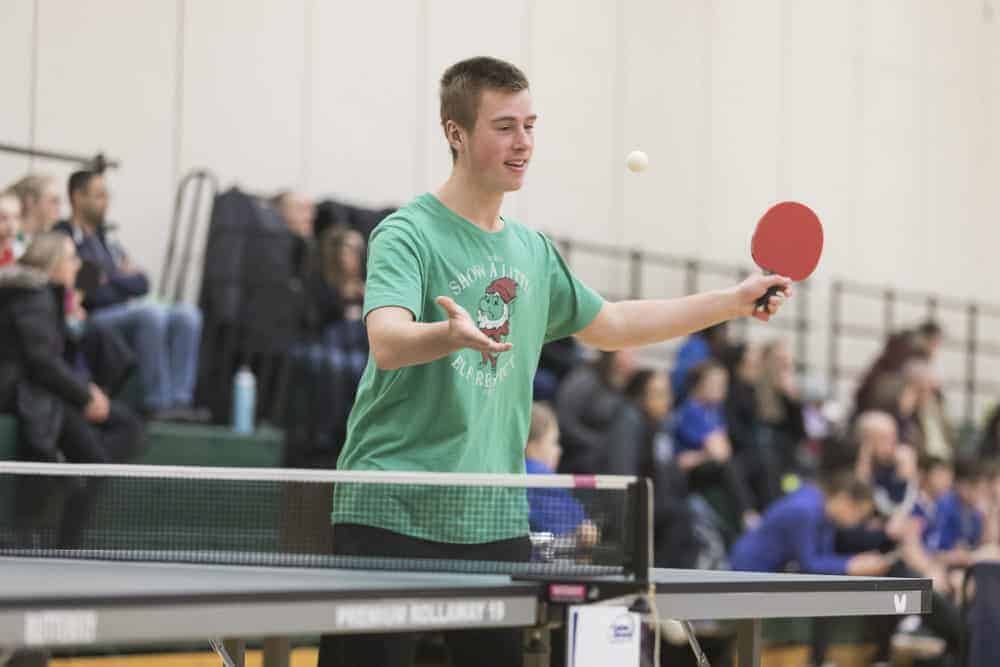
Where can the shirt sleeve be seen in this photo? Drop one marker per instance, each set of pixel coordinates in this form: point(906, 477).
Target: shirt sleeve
point(812, 556)
point(395, 271)
point(572, 305)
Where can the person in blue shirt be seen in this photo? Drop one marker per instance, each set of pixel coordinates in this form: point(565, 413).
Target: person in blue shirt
point(703, 449)
point(954, 528)
point(697, 348)
point(937, 479)
point(551, 510)
point(800, 529)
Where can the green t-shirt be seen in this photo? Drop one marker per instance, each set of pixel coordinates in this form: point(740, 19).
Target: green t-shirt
point(467, 412)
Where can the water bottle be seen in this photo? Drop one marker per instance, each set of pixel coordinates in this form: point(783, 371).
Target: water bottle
point(244, 400)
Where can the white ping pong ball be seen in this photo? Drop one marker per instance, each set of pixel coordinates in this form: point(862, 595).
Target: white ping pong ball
point(637, 161)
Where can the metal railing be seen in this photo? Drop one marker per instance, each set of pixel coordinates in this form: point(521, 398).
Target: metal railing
point(971, 344)
point(954, 315)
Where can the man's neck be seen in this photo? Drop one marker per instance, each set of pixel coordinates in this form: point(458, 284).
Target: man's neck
point(79, 222)
point(469, 200)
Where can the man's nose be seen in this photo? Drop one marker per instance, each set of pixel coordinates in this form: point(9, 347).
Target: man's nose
point(523, 139)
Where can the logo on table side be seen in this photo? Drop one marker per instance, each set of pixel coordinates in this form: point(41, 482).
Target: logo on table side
point(899, 602)
point(622, 629)
point(419, 613)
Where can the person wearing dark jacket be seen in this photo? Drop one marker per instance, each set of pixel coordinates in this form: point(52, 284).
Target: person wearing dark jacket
point(758, 462)
point(589, 403)
point(674, 541)
point(164, 338)
point(61, 417)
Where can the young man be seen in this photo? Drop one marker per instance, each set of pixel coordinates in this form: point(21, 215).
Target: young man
point(459, 302)
point(801, 528)
point(164, 338)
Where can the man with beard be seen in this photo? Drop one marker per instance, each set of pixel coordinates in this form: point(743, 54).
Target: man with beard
point(164, 338)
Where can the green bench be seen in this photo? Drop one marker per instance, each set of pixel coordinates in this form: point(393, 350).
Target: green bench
point(185, 445)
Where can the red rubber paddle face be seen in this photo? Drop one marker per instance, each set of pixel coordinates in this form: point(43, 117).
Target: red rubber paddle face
point(788, 240)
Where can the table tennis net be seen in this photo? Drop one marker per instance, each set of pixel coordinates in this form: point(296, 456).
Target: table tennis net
point(512, 524)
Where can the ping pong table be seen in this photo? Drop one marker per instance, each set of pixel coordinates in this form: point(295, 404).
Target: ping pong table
point(55, 603)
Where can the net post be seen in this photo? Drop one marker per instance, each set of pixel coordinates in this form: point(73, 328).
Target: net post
point(641, 493)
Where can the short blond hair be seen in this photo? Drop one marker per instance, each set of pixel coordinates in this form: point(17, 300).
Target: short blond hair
point(32, 186)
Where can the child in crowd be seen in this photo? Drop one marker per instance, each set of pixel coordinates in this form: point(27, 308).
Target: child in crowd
point(553, 511)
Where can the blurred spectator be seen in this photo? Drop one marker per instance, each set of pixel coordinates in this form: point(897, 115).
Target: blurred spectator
point(710, 343)
point(10, 225)
point(164, 337)
point(800, 530)
point(957, 529)
point(887, 367)
point(991, 523)
point(674, 541)
point(886, 463)
point(989, 443)
point(558, 358)
point(704, 451)
point(60, 415)
point(937, 477)
point(336, 289)
point(928, 338)
point(589, 402)
point(924, 424)
point(552, 510)
point(779, 407)
point(40, 202)
point(297, 211)
point(758, 462)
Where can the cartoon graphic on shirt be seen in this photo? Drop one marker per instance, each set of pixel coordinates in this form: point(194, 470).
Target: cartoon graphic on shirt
point(493, 313)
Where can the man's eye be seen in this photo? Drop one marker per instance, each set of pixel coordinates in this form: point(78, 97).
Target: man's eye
point(529, 128)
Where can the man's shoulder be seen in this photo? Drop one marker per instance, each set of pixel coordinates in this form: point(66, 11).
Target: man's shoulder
point(412, 220)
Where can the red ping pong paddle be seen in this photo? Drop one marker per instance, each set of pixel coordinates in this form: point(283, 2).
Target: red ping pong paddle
point(788, 241)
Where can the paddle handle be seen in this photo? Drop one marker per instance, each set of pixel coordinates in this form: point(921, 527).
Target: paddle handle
point(761, 303)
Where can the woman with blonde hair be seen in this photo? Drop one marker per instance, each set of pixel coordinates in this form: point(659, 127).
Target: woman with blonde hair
point(61, 415)
point(40, 204)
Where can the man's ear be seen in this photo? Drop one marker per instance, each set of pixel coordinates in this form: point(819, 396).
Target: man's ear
point(455, 135)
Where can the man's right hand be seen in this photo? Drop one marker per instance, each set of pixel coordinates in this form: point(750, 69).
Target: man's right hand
point(463, 332)
point(96, 410)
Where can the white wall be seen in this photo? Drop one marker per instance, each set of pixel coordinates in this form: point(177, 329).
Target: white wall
point(881, 114)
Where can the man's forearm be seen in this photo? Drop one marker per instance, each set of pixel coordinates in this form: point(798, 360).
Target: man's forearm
point(412, 343)
point(636, 323)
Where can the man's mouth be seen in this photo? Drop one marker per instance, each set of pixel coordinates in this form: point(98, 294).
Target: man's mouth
point(516, 165)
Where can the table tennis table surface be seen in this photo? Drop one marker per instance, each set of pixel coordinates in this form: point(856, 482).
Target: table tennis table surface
point(52, 602)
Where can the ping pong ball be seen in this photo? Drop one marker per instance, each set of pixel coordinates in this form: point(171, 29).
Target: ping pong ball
point(637, 161)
